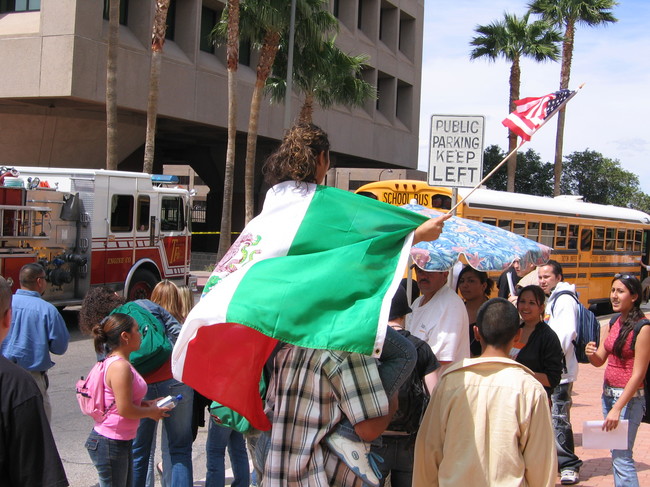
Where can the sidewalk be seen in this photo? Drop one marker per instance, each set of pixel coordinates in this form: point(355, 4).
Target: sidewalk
point(597, 469)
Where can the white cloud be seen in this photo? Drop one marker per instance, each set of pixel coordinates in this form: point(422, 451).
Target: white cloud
point(607, 116)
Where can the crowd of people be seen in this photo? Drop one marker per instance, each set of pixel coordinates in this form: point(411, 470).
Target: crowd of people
point(467, 390)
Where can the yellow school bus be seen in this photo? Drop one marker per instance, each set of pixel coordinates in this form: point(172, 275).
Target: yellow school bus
point(592, 242)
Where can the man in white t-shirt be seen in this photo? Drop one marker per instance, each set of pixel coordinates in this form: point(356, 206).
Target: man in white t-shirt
point(439, 318)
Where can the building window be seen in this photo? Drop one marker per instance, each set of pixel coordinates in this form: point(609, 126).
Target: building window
point(19, 5)
point(171, 21)
point(386, 93)
point(404, 103)
point(406, 40)
point(335, 9)
point(124, 10)
point(209, 19)
point(388, 23)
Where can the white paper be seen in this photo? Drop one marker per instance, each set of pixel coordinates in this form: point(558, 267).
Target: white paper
point(594, 437)
point(511, 285)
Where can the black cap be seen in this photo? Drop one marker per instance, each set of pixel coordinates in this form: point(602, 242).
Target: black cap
point(400, 305)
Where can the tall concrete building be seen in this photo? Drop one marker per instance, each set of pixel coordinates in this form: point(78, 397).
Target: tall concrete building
point(53, 81)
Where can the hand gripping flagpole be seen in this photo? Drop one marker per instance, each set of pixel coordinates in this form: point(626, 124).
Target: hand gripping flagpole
point(523, 141)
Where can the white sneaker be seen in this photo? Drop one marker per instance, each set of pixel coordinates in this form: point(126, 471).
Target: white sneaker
point(569, 477)
point(357, 456)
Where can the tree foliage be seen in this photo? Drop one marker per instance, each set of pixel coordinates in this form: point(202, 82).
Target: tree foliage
point(598, 179)
point(324, 74)
point(532, 176)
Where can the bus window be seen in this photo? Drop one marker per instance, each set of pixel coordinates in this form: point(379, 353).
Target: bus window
point(519, 228)
point(599, 239)
point(620, 239)
point(573, 237)
point(629, 240)
point(638, 239)
point(585, 239)
point(533, 231)
point(143, 213)
point(505, 224)
point(122, 213)
point(441, 201)
point(560, 237)
point(490, 221)
point(548, 233)
point(172, 216)
point(610, 240)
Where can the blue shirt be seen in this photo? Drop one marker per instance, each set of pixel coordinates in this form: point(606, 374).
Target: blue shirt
point(37, 329)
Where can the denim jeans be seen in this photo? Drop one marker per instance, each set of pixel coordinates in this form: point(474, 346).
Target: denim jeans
point(113, 459)
point(220, 437)
point(622, 461)
point(397, 452)
point(396, 362)
point(561, 411)
point(178, 428)
point(166, 478)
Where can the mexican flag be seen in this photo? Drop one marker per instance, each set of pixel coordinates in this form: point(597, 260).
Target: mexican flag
point(317, 268)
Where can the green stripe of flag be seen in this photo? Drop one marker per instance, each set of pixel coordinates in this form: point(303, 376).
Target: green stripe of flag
point(327, 292)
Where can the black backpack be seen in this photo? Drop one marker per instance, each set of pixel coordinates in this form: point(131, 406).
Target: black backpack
point(646, 385)
point(413, 400)
point(587, 327)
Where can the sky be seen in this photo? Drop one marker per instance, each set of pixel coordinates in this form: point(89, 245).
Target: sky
point(609, 115)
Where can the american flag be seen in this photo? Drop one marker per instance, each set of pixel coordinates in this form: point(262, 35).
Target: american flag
point(531, 112)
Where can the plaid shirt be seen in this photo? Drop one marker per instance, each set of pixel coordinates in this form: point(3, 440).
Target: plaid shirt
point(309, 393)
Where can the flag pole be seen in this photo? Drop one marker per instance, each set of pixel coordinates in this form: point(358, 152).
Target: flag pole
point(523, 141)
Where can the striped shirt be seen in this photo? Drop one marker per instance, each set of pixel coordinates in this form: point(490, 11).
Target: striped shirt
point(308, 395)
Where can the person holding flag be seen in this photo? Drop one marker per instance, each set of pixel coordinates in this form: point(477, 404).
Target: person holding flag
point(317, 269)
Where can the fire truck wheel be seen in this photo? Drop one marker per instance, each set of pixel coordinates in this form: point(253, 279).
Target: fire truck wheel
point(142, 284)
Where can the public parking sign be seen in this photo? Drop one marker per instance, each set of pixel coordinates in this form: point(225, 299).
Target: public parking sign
point(456, 150)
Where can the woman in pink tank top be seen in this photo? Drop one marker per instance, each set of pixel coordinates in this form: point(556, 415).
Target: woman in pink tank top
point(627, 354)
point(109, 443)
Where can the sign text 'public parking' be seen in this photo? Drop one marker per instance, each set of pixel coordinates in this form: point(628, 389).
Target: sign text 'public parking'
point(456, 150)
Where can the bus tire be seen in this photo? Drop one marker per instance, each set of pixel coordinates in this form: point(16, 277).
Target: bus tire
point(142, 285)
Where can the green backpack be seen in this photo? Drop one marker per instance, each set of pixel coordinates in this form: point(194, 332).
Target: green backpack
point(225, 416)
point(156, 348)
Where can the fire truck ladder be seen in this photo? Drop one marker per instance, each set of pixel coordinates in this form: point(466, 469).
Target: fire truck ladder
point(23, 222)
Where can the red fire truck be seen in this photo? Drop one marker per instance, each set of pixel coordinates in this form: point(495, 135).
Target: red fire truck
point(91, 227)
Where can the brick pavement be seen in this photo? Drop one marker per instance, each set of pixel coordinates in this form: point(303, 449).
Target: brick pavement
point(597, 469)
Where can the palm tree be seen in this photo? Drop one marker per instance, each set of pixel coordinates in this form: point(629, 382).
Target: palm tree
point(232, 57)
point(323, 74)
point(111, 84)
point(263, 23)
point(565, 14)
point(513, 38)
point(157, 42)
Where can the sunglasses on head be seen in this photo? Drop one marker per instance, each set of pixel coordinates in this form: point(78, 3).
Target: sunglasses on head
point(623, 276)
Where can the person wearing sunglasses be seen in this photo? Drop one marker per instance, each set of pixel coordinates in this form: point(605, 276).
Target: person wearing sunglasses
point(626, 349)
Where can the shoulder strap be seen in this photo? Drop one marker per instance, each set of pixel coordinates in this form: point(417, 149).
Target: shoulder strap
point(564, 293)
point(613, 319)
point(637, 328)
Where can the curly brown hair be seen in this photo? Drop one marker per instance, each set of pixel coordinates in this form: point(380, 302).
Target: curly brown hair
point(97, 304)
point(297, 156)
